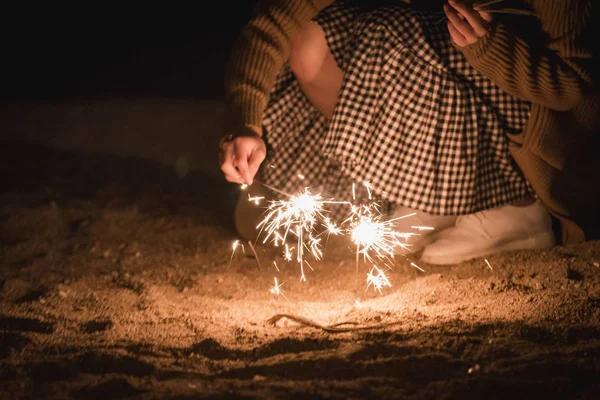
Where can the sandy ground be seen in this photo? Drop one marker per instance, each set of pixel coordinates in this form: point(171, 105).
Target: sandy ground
point(115, 282)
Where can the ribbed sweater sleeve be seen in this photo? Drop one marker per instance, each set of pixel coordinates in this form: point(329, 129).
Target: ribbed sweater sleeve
point(554, 72)
point(258, 55)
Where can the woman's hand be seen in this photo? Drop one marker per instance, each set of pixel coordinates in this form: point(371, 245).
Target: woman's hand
point(466, 25)
point(240, 157)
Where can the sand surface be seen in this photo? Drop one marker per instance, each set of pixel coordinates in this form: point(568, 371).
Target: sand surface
point(115, 282)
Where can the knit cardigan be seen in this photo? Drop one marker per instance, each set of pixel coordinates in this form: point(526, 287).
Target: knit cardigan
point(550, 62)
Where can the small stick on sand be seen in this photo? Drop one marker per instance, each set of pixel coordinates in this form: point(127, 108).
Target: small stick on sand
point(335, 328)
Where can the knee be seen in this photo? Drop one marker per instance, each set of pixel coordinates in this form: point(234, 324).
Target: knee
point(308, 53)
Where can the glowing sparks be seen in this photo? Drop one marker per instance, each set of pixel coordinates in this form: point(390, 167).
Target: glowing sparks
point(256, 199)
point(276, 290)
point(288, 253)
point(488, 264)
point(368, 186)
point(234, 246)
point(372, 234)
point(300, 211)
point(332, 228)
point(417, 267)
point(300, 216)
point(423, 228)
point(377, 280)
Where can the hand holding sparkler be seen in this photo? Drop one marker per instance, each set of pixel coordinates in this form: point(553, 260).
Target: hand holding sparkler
point(241, 156)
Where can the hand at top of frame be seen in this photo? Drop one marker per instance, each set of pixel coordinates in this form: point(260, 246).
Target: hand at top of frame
point(465, 23)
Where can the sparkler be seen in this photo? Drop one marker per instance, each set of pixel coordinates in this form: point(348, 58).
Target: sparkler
point(482, 6)
point(303, 217)
point(373, 235)
point(272, 188)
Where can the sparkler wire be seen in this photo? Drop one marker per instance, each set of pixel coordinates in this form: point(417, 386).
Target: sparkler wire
point(273, 188)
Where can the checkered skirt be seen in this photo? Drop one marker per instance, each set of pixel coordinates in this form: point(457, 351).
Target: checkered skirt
point(414, 120)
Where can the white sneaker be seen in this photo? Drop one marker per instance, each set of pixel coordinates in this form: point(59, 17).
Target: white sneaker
point(423, 227)
point(506, 228)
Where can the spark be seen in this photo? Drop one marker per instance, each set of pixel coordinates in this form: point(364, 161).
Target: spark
point(276, 267)
point(372, 234)
point(358, 304)
point(315, 247)
point(331, 227)
point(378, 281)
point(368, 186)
point(288, 252)
point(417, 267)
point(234, 246)
point(488, 264)
point(423, 228)
point(256, 199)
point(277, 238)
point(301, 177)
point(276, 290)
point(299, 216)
point(309, 266)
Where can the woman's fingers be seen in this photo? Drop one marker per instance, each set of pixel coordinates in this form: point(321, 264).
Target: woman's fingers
point(487, 16)
point(477, 24)
point(241, 159)
point(461, 25)
point(463, 33)
point(256, 159)
point(465, 24)
point(228, 164)
point(458, 38)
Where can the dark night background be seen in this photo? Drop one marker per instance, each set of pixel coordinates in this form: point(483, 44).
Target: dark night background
point(54, 52)
point(138, 82)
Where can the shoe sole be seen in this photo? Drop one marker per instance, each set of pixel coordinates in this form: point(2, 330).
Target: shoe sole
point(539, 241)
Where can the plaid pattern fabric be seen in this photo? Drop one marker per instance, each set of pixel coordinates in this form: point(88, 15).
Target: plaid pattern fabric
point(414, 119)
